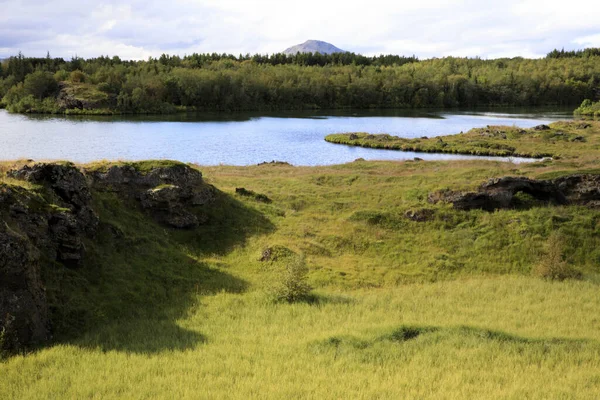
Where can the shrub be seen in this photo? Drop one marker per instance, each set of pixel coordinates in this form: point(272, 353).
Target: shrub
point(61, 75)
point(40, 84)
point(77, 76)
point(552, 265)
point(589, 108)
point(292, 286)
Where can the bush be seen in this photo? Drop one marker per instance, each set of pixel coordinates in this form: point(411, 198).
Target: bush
point(77, 77)
point(588, 108)
point(552, 265)
point(292, 286)
point(61, 75)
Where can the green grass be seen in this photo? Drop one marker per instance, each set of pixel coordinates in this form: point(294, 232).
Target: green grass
point(563, 139)
point(85, 92)
point(448, 308)
point(482, 338)
point(141, 166)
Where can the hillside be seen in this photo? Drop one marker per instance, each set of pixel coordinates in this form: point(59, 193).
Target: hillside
point(313, 46)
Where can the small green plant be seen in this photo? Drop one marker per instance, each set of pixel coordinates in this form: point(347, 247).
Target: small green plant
point(552, 265)
point(293, 286)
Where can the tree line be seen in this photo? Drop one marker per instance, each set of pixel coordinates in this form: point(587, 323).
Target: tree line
point(303, 81)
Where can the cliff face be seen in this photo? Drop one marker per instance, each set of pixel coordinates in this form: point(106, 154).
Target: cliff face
point(47, 219)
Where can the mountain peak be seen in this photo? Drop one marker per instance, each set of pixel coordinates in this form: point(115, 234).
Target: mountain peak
point(313, 46)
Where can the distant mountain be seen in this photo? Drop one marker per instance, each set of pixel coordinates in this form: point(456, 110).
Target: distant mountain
point(314, 46)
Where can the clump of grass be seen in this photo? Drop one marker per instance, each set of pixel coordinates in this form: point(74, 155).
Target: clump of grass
point(552, 265)
point(293, 286)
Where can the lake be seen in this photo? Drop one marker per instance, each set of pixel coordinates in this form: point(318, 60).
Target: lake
point(242, 138)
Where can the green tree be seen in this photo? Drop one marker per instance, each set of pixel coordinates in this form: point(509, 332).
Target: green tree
point(40, 84)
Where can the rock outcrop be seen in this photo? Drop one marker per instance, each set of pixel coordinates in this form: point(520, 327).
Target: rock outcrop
point(48, 224)
point(168, 193)
point(499, 193)
point(69, 98)
point(48, 219)
point(23, 308)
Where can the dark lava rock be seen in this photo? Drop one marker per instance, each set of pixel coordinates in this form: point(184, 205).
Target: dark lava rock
point(167, 203)
point(57, 230)
point(276, 253)
point(50, 223)
point(23, 308)
point(249, 193)
point(64, 179)
point(266, 255)
point(420, 215)
point(353, 136)
point(66, 100)
point(541, 127)
point(168, 193)
point(503, 189)
point(499, 193)
point(275, 162)
point(581, 189)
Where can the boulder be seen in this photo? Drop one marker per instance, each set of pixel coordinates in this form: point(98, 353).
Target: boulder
point(420, 215)
point(541, 127)
point(581, 189)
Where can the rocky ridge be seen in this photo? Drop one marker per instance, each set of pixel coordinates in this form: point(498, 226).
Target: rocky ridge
point(51, 221)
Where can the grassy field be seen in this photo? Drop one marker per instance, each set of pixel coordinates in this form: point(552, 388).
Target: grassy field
point(446, 308)
point(506, 337)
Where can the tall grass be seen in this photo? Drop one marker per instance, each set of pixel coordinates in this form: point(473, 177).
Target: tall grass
point(477, 338)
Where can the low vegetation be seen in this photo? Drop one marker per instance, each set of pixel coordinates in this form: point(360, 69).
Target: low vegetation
point(589, 108)
point(407, 298)
point(560, 139)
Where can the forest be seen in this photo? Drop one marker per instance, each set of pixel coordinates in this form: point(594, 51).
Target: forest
point(224, 82)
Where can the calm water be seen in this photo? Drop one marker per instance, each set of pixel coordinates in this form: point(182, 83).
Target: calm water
point(239, 139)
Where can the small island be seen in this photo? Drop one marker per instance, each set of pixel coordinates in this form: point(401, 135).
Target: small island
point(559, 139)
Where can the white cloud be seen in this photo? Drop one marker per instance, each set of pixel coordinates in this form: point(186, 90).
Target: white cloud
point(588, 41)
point(137, 29)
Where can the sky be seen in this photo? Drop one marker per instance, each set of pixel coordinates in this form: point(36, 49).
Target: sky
point(138, 29)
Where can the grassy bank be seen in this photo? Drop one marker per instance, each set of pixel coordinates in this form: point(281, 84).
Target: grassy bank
point(560, 139)
point(446, 308)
